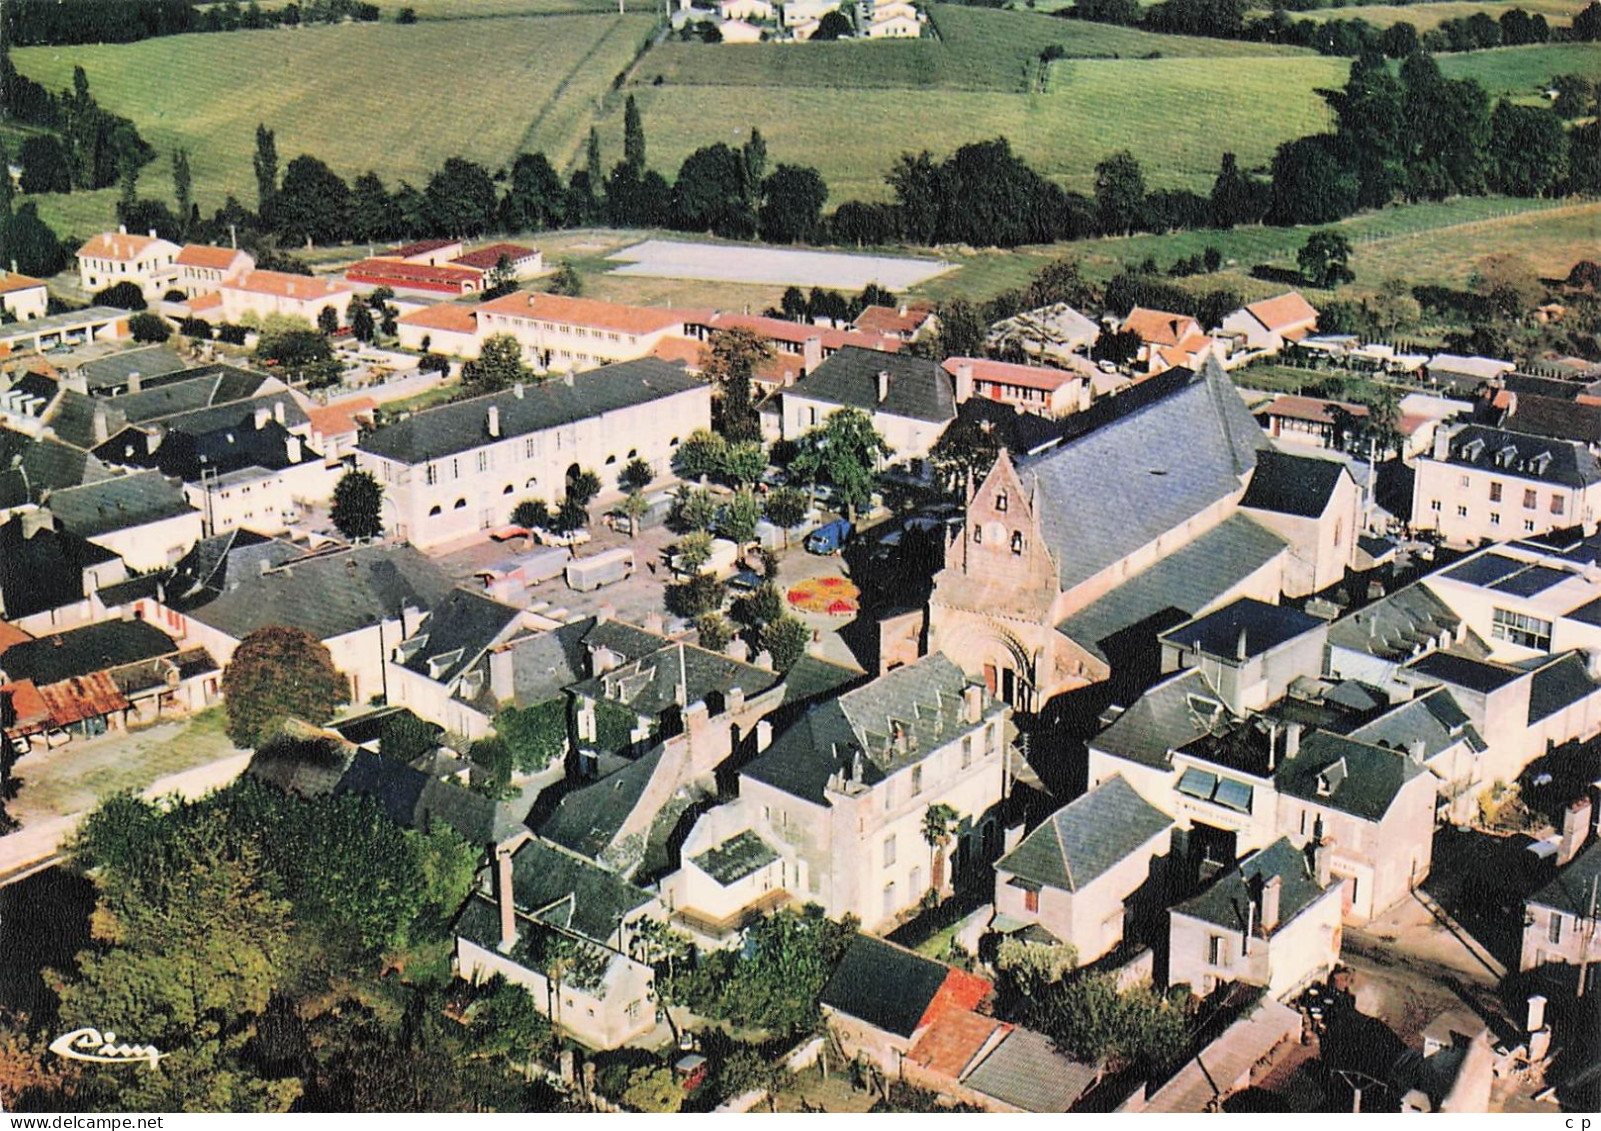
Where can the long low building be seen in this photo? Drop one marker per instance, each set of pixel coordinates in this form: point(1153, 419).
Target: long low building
point(462, 467)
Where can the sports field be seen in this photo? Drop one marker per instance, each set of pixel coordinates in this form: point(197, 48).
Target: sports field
point(766, 266)
point(391, 98)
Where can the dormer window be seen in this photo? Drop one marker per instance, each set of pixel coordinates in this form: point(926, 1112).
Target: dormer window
point(1017, 543)
point(1000, 502)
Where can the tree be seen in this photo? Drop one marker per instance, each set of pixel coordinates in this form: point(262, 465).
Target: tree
point(583, 487)
point(1311, 185)
point(507, 1022)
point(182, 185)
point(537, 735)
point(846, 450)
point(1575, 97)
point(694, 510)
point(1120, 347)
point(694, 550)
point(46, 165)
point(792, 205)
point(633, 136)
point(965, 452)
point(743, 462)
point(1509, 282)
point(962, 329)
point(702, 454)
point(635, 476)
point(312, 205)
point(358, 506)
point(753, 156)
point(696, 595)
point(1120, 193)
point(499, 365)
point(786, 640)
point(149, 328)
point(461, 198)
point(713, 631)
point(709, 194)
point(373, 213)
point(1528, 150)
point(939, 823)
point(834, 25)
point(918, 192)
point(1325, 259)
point(128, 182)
point(493, 755)
point(1371, 134)
point(530, 513)
point(123, 296)
point(592, 163)
point(566, 281)
point(1086, 1017)
point(652, 1088)
point(732, 360)
point(536, 199)
point(328, 321)
point(361, 320)
point(500, 280)
point(737, 521)
point(786, 508)
point(298, 351)
point(406, 15)
point(278, 673)
point(405, 737)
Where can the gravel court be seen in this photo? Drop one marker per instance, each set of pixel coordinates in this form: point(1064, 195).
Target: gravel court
point(672, 259)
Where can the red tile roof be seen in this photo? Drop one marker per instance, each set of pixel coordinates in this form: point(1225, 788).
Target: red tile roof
point(954, 1040)
point(1158, 327)
point(795, 334)
point(10, 634)
point(1287, 311)
point(690, 353)
point(211, 258)
point(1315, 409)
point(890, 320)
point(444, 316)
point(302, 287)
point(445, 277)
point(32, 712)
point(339, 418)
point(485, 258)
point(1006, 373)
point(82, 697)
point(115, 245)
point(587, 312)
point(421, 247)
point(11, 281)
point(960, 990)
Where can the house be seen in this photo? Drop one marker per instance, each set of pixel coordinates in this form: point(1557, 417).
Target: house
point(110, 258)
point(450, 328)
point(428, 253)
point(1495, 484)
point(1272, 921)
point(1033, 388)
point(438, 670)
point(908, 321)
point(1454, 374)
point(752, 10)
point(356, 601)
point(461, 468)
point(1169, 340)
point(523, 262)
point(1046, 588)
point(31, 467)
point(740, 31)
point(402, 275)
point(261, 294)
point(48, 577)
point(1420, 415)
point(545, 902)
point(132, 370)
point(848, 786)
point(895, 23)
point(22, 296)
point(911, 400)
point(802, 11)
point(26, 398)
point(798, 347)
point(1313, 421)
point(1314, 505)
point(202, 269)
point(882, 999)
point(564, 334)
point(1082, 873)
point(143, 517)
point(336, 426)
point(1048, 333)
point(1559, 922)
point(1268, 326)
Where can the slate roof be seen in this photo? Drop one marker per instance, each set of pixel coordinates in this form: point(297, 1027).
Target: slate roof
point(311, 767)
point(919, 389)
point(463, 425)
point(924, 698)
point(1021, 433)
point(1179, 585)
point(587, 819)
point(1084, 839)
point(1565, 462)
point(232, 447)
point(222, 562)
point(1558, 683)
point(1225, 902)
point(1355, 777)
point(121, 503)
point(207, 387)
point(328, 595)
point(74, 416)
point(737, 857)
point(1026, 1072)
point(1290, 484)
point(30, 466)
point(44, 571)
point(80, 651)
point(559, 888)
point(650, 684)
point(1171, 714)
point(1164, 463)
point(1434, 717)
point(1463, 671)
point(1570, 890)
point(456, 632)
point(1248, 625)
point(545, 663)
point(113, 370)
point(1396, 626)
point(884, 985)
point(1559, 418)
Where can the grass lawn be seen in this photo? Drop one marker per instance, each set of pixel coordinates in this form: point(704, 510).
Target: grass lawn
point(494, 9)
point(1523, 70)
point(372, 96)
point(1428, 15)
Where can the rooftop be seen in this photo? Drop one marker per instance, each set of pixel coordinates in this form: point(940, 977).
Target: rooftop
point(917, 388)
point(566, 891)
point(1233, 899)
point(1283, 312)
point(1571, 889)
point(1243, 629)
point(486, 258)
point(589, 312)
point(886, 986)
point(1083, 840)
point(739, 856)
point(119, 503)
point(81, 651)
point(1355, 777)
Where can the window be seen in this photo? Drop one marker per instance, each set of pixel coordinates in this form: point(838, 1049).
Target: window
point(1017, 543)
point(1531, 499)
point(917, 780)
point(1558, 504)
point(1462, 482)
point(978, 534)
point(889, 851)
point(1555, 928)
point(967, 751)
point(433, 511)
point(1495, 519)
point(890, 906)
point(1495, 492)
point(484, 460)
point(1217, 950)
point(1000, 502)
point(1528, 526)
point(455, 467)
point(1462, 512)
point(430, 475)
point(460, 504)
point(1031, 899)
point(1520, 629)
point(530, 447)
point(994, 739)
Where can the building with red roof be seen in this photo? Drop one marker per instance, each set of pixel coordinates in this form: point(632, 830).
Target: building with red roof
point(450, 328)
point(564, 334)
point(429, 253)
point(149, 262)
point(524, 262)
point(202, 269)
point(404, 275)
point(1037, 388)
point(1273, 323)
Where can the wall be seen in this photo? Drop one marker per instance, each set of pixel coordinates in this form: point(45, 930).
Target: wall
point(1442, 492)
point(26, 303)
point(561, 348)
point(263, 504)
point(1320, 548)
point(602, 1020)
point(1538, 949)
point(907, 438)
point(155, 545)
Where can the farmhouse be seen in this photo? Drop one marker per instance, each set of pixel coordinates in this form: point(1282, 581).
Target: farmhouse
point(1169, 340)
point(894, 24)
point(1268, 326)
point(149, 263)
point(1033, 388)
point(1313, 421)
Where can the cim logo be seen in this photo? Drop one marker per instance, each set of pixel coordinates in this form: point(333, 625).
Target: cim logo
point(92, 1045)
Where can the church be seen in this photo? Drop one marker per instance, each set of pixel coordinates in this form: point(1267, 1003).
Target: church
point(1169, 502)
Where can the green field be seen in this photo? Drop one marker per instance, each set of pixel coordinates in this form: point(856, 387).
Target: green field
point(1523, 70)
point(1425, 16)
point(377, 96)
point(494, 9)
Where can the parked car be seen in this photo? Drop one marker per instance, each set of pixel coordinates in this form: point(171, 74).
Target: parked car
point(572, 538)
point(829, 538)
point(745, 581)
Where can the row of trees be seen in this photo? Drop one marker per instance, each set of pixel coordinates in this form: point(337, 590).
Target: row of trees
point(29, 22)
point(86, 147)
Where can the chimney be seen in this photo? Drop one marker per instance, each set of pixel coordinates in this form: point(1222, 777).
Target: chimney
point(883, 385)
point(263, 414)
point(1323, 862)
point(292, 448)
point(964, 381)
point(102, 430)
point(653, 624)
point(1292, 740)
point(1417, 750)
point(812, 353)
point(503, 896)
point(1575, 830)
point(494, 421)
point(502, 673)
point(764, 735)
point(1272, 745)
point(1272, 889)
point(1240, 648)
point(135, 380)
point(972, 703)
point(1535, 1021)
point(734, 701)
point(517, 390)
point(278, 412)
point(152, 233)
point(122, 229)
point(738, 650)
